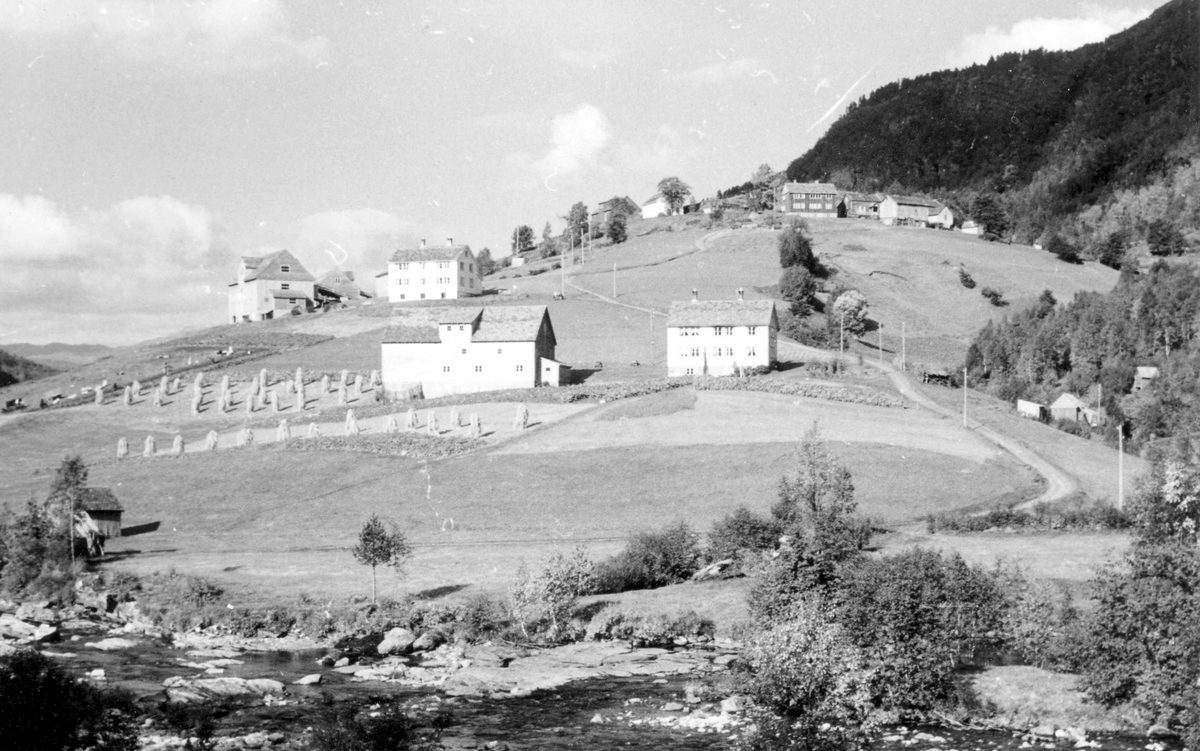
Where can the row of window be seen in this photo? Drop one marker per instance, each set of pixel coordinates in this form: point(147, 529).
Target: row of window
point(440, 264)
point(716, 352)
point(717, 330)
point(479, 368)
point(404, 282)
point(498, 351)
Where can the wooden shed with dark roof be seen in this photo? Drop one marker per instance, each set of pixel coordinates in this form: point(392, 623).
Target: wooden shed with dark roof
point(466, 349)
point(104, 509)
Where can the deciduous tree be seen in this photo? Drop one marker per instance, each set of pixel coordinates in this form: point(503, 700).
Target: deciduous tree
point(617, 229)
point(381, 546)
point(851, 307)
point(674, 191)
point(522, 239)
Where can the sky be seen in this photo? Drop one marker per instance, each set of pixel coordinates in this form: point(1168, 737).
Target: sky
point(145, 146)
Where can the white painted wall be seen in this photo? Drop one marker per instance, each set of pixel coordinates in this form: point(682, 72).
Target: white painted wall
point(690, 354)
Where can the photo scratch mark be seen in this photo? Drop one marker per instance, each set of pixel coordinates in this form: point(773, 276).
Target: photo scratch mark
point(841, 99)
point(34, 60)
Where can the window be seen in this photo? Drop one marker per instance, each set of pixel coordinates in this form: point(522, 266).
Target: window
point(285, 286)
point(750, 352)
point(695, 351)
point(401, 297)
point(717, 351)
point(445, 368)
point(520, 368)
point(471, 267)
point(460, 265)
point(285, 268)
point(691, 371)
point(751, 330)
point(499, 351)
point(291, 301)
point(723, 330)
point(422, 295)
point(472, 282)
point(478, 368)
point(464, 351)
point(422, 284)
point(403, 266)
point(460, 327)
point(443, 295)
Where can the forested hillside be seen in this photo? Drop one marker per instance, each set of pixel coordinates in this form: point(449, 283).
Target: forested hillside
point(1099, 340)
point(14, 369)
point(1087, 142)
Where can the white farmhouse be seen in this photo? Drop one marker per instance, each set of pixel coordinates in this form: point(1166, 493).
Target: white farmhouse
point(462, 350)
point(655, 206)
point(716, 337)
point(448, 272)
point(270, 285)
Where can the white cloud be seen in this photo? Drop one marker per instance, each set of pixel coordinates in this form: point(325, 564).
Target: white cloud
point(155, 261)
point(358, 240)
point(217, 36)
point(1094, 25)
point(579, 137)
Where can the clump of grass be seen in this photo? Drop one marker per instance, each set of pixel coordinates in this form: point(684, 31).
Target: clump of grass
point(1078, 513)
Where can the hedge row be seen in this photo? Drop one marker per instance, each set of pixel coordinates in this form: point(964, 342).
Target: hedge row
point(852, 394)
point(411, 445)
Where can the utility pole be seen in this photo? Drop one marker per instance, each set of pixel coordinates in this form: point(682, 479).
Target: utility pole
point(964, 397)
point(903, 348)
point(1121, 468)
point(842, 336)
point(614, 281)
point(881, 345)
point(562, 285)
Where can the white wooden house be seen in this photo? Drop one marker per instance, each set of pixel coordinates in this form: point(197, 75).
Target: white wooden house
point(908, 210)
point(269, 286)
point(446, 272)
point(461, 350)
point(718, 337)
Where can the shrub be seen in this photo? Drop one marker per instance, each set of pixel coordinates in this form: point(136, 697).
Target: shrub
point(795, 248)
point(913, 614)
point(542, 600)
point(651, 559)
point(966, 279)
point(1040, 620)
point(1063, 249)
point(647, 629)
point(994, 296)
point(53, 711)
point(799, 288)
point(811, 686)
point(739, 530)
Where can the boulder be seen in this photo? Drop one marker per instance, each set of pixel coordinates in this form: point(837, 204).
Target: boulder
point(734, 704)
point(719, 570)
point(44, 633)
point(308, 680)
point(40, 612)
point(192, 690)
point(12, 627)
point(428, 641)
point(397, 641)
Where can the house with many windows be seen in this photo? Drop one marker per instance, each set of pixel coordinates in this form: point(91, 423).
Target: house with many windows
point(269, 286)
point(447, 272)
point(720, 337)
point(807, 199)
point(461, 350)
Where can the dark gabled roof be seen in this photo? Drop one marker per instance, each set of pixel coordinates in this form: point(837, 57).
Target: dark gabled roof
point(405, 334)
point(287, 294)
point(341, 283)
point(809, 188)
point(428, 253)
point(518, 323)
point(864, 197)
point(722, 313)
point(269, 267)
point(928, 203)
point(99, 499)
point(500, 323)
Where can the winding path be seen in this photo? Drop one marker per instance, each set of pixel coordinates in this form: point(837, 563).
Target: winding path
point(1059, 484)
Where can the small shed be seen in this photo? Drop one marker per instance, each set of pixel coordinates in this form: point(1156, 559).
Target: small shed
point(104, 509)
point(1031, 410)
point(1146, 375)
point(554, 373)
point(1068, 407)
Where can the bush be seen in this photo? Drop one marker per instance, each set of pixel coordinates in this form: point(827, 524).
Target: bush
point(1077, 513)
point(1063, 249)
point(799, 288)
point(966, 279)
point(651, 559)
point(617, 622)
point(912, 615)
point(810, 685)
point(542, 600)
point(994, 296)
point(1040, 620)
point(53, 711)
point(739, 530)
point(795, 248)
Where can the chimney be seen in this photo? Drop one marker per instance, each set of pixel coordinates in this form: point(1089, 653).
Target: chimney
point(449, 242)
point(741, 295)
point(422, 243)
point(695, 295)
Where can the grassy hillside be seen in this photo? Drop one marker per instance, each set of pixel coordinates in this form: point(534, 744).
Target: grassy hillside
point(58, 355)
point(17, 369)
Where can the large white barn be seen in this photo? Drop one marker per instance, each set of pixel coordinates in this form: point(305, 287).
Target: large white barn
point(462, 350)
point(446, 272)
point(717, 337)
